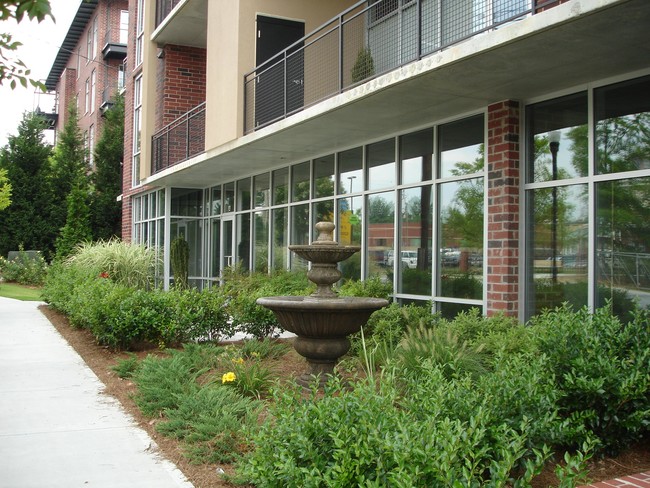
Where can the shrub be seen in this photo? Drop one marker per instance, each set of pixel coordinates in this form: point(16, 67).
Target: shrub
point(439, 346)
point(385, 437)
point(179, 261)
point(126, 368)
point(242, 292)
point(372, 287)
point(61, 285)
point(27, 268)
point(131, 265)
point(601, 367)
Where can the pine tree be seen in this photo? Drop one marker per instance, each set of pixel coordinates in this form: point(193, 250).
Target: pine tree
point(68, 167)
point(105, 210)
point(25, 158)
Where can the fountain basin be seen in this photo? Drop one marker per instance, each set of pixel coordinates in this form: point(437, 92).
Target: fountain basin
point(322, 317)
point(322, 326)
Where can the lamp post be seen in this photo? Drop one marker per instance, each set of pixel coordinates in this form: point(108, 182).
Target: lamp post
point(554, 146)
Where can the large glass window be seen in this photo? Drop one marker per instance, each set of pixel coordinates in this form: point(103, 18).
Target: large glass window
point(560, 217)
point(349, 233)
point(557, 252)
point(262, 191)
point(244, 194)
point(299, 233)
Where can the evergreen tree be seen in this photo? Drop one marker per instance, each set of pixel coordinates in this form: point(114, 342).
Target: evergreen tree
point(25, 159)
point(68, 168)
point(77, 226)
point(105, 210)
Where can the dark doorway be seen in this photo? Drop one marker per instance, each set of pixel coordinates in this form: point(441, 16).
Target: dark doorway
point(273, 37)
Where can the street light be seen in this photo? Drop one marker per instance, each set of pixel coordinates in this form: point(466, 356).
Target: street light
point(554, 146)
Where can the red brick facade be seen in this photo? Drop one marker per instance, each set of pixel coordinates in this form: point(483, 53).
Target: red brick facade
point(80, 67)
point(503, 208)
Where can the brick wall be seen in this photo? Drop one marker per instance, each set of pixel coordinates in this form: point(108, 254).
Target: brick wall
point(503, 208)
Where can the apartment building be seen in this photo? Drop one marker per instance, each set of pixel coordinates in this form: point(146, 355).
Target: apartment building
point(88, 69)
point(483, 153)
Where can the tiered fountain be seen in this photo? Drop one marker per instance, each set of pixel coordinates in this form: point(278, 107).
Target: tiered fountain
point(323, 320)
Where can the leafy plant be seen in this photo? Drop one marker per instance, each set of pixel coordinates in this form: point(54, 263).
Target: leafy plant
point(372, 287)
point(601, 367)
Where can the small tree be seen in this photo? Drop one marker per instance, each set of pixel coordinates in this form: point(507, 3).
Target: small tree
point(364, 66)
point(179, 260)
point(77, 226)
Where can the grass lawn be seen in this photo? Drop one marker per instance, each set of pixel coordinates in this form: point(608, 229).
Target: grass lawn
point(20, 292)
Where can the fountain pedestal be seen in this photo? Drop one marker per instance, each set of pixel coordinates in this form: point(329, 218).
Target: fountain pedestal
point(323, 320)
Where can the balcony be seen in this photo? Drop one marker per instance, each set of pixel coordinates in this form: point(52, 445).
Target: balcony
point(180, 140)
point(362, 43)
point(181, 22)
point(115, 44)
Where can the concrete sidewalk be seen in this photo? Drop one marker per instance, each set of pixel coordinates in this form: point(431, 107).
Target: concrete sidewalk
point(57, 429)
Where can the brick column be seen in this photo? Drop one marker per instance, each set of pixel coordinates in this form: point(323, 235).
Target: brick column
point(503, 163)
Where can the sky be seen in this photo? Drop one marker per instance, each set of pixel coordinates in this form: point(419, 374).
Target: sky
point(40, 45)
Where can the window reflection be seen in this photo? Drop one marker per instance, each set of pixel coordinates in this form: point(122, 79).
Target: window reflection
point(623, 244)
point(416, 152)
point(299, 233)
point(414, 273)
point(349, 233)
point(566, 120)
point(261, 248)
point(280, 238)
point(280, 186)
point(381, 165)
point(461, 145)
point(381, 234)
point(461, 239)
point(324, 176)
point(622, 126)
point(350, 172)
point(300, 182)
point(558, 247)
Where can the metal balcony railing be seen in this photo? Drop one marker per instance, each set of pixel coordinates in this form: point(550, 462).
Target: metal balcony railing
point(180, 140)
point(363, 42)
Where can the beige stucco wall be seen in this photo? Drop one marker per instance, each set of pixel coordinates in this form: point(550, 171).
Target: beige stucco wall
point(148, 89)
point(231, 53)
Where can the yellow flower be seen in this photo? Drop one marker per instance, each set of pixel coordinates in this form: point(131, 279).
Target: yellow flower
point(228, 377)
point(256, 354)
point(238, 361)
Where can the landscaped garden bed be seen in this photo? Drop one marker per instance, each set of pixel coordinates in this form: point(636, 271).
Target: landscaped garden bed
point(425, 401)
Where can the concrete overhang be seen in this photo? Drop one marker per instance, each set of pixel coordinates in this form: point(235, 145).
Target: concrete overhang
point(566, 46)
point(186, 25)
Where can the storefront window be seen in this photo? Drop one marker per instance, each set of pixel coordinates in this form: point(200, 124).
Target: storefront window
point(262, 191)
point(261, 248)
point(280, 238)
point(349, 233)
point(299, 233)
point(244, 194)
point(281, 186)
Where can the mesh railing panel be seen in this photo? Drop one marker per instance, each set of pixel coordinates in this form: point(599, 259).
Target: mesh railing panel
point(363, 42)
